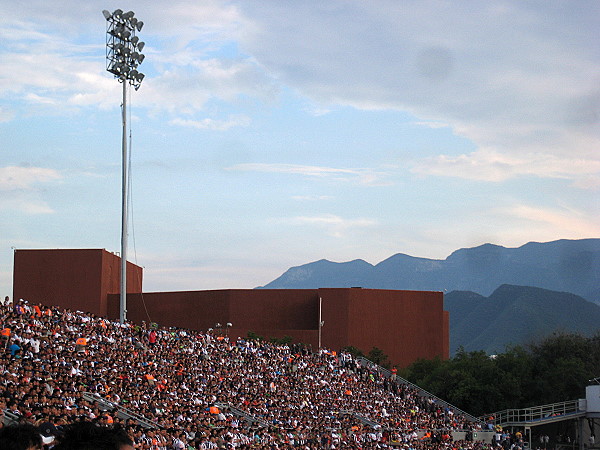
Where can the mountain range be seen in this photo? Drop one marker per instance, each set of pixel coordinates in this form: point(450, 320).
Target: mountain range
point(496, 296)
point(564, 265)
point(516, 315)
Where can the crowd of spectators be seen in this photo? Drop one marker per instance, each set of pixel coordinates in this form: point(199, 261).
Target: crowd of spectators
point(188, 384)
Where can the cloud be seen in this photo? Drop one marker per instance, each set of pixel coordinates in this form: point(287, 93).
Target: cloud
point(486, 165)
point(304, 198)
point(565, 223)
point(518, 78)
point(19, 185)
point(57, 68)
point(54, 74)
point(530, 91)
point(27, 203)
point(336, 226)
point(431, 124)
point(212, 124)
point(368, 177)
point(25, 178)
point(6, 115)
point(588, 182)
point(186, 86)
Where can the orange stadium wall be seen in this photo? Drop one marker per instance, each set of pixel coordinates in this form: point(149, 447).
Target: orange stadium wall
point(77, 279)
point(405, 325)
point(267, 313)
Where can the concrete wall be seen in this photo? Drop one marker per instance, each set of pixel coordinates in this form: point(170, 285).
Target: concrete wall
point(405, 325)
point(266, 312)
point(77, 279)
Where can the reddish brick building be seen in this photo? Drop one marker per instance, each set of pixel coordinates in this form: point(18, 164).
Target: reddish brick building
point(405, 325)
point(77, 279)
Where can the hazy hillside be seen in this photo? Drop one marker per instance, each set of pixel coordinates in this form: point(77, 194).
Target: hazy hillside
point(564, 265)
point(516, 315)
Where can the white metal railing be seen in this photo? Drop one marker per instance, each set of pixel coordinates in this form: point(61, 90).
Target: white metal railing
point(553, 411)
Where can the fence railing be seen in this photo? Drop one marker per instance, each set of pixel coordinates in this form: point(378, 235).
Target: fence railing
point(121, 411)
point(362, 418)
point(249, 418)
point(543, 413)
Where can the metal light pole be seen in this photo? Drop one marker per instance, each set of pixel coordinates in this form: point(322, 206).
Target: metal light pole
point(123, 56)
point(321, 322)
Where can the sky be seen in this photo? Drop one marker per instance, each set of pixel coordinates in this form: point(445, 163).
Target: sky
point(270, 134)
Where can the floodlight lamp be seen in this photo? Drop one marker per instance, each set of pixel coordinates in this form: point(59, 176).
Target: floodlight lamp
point(140, 77)
point(128, 15)
point(120, 54)
point(138, 57)
point(117, 31)
point(121, 69)
point(135, 40)
point(126, 34)
point(118, 13)
point(133, 22)
point(139, 25)
point(140, 46)
point(107, 15)
point(115, 69)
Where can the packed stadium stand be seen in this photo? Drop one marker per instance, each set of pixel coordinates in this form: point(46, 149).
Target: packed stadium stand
point(173, 388)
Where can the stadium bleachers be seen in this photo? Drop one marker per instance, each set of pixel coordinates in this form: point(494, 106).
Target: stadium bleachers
point(199, 390)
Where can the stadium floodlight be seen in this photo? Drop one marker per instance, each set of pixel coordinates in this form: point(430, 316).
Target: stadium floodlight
point(123, 56)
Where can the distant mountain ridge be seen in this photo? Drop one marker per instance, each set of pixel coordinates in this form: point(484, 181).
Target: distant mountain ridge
point(563, 265)
point(516, 315)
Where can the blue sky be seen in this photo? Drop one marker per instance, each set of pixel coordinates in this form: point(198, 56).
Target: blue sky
point(269, 134)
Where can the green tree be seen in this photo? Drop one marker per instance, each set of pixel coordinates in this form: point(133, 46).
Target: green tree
point(563, 364)
point(254, 337)
point(355, 352)
point(281, 341)
point(555, 369)
point(378, 357)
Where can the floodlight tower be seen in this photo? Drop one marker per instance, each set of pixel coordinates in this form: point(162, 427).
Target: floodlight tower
point(123, 56)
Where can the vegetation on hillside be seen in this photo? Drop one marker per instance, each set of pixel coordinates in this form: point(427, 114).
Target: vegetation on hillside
point(553, 370)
